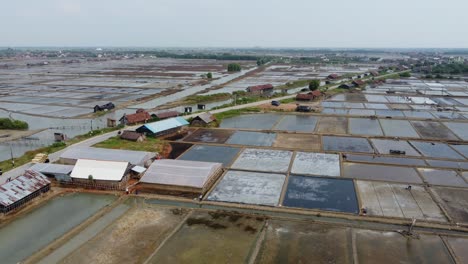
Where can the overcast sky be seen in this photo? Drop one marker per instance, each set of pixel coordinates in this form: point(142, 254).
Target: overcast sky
point(235, 23)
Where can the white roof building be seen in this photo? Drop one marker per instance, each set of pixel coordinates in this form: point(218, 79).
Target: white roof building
point(99, 170)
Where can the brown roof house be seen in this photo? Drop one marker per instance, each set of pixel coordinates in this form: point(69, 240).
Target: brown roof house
point(132, 136)
point(359, 83)
point(308, 96)
point(260, 89)
point(164, 115)
point(139, 117)
point(333, 76)
point(203, 119)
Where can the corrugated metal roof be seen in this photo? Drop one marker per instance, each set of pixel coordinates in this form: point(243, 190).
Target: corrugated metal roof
point(163, 125)
point(181, 172)
point(131, 156)
point(99, 169)
point(50, 168)
point(21, 187)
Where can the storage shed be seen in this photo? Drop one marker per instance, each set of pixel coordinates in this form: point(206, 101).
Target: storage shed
point(132, 136)
point(163, 127)
point(100, 174)
point(203, 119)
point(140, 158)
point(180, 176)
point(22, 189)
point(58, 171)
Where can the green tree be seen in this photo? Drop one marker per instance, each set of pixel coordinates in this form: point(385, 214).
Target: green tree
point(209, 75)
point(233, 67)
point(314, 85)
point(405, 74)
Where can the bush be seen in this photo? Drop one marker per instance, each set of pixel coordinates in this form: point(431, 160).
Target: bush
point(6, 123)
point(209, 75)
point(405, 74)
point(314, 85)
point(233, 67)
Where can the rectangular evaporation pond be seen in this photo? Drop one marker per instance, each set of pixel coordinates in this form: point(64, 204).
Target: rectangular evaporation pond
point(297, 141)
point(263, 160)
point(334, 111)
point(333, 104)
point(309, 163)
point(400, 107)
point(392, 113)
point(455, 201)
point(300, 123)
point(418, 114)
point(385, 160)
point(463, 149)
point(252, 138)
point(398, 128)
point(460, 129)
point(333, 125)
point(353, 105)
point(19, 239)
point(380, 173)
point(251, 121)
point(458, 245)
point(391, 247)
point(376, 98)
point(346, 144)
point(443, 177)
point(209, 135)
point(355, 97)
point(210, 238)
point(447, 115)
point(375, 106)
point(383, 146)
point(364, 126)
point(436, 150)
point(321, 193)
point(313, 243)
point(362, 112)
point(249, 188)
point(448, 164)
point(220, 154)
point(433, 130)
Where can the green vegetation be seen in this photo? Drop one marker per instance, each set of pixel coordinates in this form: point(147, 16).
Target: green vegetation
point(234, 67)
point(236, 112)
point(262, 61)
point(288, 100)
point(207, 98)
point(209, 75)
point(405, 74)
point(295, 84)
point(314, 85)
point(452, 68)
point(7, 123)
point(150, 144)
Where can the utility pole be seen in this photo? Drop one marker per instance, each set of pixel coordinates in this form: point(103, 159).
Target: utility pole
point(11, 153)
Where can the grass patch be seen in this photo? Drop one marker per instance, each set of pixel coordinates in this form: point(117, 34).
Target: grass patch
point(295, 84)
point(288, 100)
point(7, 123)
point(236, 112)
point(207, 98)
point(150, 144)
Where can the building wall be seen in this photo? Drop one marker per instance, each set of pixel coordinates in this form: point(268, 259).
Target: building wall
point(20, 203)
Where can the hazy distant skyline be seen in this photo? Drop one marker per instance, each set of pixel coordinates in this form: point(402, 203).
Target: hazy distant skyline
point(241, 23)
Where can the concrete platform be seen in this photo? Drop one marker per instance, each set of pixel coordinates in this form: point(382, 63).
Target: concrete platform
point(394, 200)
point(249, 188)
point(321, 164)
point(263, 160)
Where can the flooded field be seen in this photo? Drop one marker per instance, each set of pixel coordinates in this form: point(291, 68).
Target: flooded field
point(263, 160)
point(18, 239)
point(298, 123)
point(384, 146)
point(433, 130)
point(320, 164)
point(346, 144)
point(251, 121)
point(220, 154)
point(210, 238)
point(321, 193)
point(252, 138)
point(381, 173)
point(249, 188)
point(209, 136)
point(363, 126)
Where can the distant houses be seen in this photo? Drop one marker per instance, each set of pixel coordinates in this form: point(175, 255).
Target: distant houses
point(333, 76)
point(132, 136)
point(165, 115)
point(108, 106)
point(260, 89)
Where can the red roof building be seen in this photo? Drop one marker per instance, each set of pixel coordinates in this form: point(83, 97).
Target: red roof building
point(359, 83)
point(140, 117)
point(260, 88)
point(333, 76)
point(308, 96)
point(167, 114)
